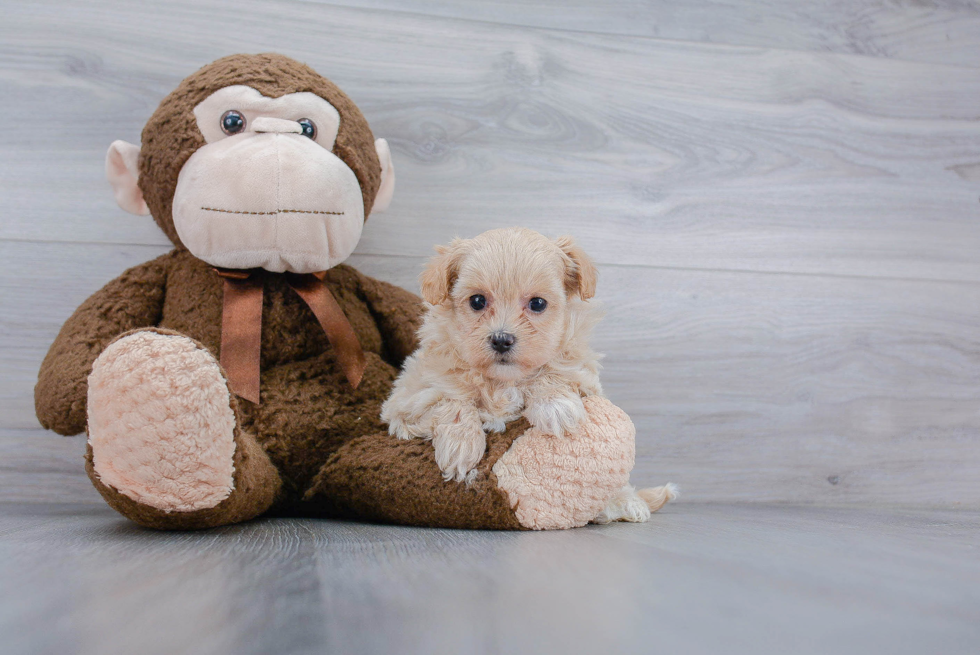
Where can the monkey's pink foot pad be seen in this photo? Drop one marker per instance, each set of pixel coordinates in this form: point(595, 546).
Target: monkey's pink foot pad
point(160, 422)
point(565, 482)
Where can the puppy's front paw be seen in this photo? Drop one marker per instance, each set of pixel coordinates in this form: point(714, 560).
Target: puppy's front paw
point(459, 447)
point(494, 424)
point(405, 420)
point(398, 428)
point(401, 425)
point(556, 415)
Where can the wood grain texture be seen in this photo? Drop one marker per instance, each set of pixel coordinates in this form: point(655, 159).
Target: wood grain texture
point(696, 579)
point(941, 32)
point(655, 152)
point(787, 228)
point(39, 467)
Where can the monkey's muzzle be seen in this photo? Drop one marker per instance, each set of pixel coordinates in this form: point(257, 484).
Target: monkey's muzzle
point(273, 199)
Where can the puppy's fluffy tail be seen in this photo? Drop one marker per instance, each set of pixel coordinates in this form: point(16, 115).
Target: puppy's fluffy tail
point(657, 497)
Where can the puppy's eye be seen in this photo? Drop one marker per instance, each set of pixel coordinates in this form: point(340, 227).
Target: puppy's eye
point(232, 122)
point(478, 302)
point(537, 305)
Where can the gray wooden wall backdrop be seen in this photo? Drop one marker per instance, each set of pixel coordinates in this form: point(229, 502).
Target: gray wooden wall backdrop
point(783, 198)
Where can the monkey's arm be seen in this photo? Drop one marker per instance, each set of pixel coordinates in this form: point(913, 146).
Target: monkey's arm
point(133, 300)
point(398, 314)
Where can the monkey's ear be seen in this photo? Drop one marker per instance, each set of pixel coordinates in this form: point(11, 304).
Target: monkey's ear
point(387, 188)
point(439, 276)
point(122, 171)
point(581, 274)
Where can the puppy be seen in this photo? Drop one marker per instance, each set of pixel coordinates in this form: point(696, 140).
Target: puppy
point(505, 335)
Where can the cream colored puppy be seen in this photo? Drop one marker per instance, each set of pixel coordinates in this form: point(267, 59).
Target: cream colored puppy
point(505, 335)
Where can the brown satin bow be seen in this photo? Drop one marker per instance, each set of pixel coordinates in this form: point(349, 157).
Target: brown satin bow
point(241, 327)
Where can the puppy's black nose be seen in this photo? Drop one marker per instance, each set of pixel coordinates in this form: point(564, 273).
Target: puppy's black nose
point(502, 341)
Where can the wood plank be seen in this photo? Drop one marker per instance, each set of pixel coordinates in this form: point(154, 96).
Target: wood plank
point(38, 467)
point(661, 153)
point(695, 579)
point(797, 389)
point(944, 32)
point(749, 387)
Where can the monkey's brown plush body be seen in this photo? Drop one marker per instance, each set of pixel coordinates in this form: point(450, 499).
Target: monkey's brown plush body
point(171, 444)
point(308, 408)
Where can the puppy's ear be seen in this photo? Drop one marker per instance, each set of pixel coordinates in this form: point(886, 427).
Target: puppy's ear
point(581, 274)
point(440, 273)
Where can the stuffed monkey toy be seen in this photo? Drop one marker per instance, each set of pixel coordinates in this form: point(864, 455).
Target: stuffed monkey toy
point(242, 373)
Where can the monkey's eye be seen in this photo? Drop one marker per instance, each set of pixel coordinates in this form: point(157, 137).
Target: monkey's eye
point(232, 122)
point(537, 305)
point(309, 127)
point(478, 302)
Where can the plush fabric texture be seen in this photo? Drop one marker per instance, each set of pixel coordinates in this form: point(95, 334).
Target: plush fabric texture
point(225, 214)
point(308, 408)
point(255, 485)
point(171, 135)
point(387, 189)
point(381, 478)
point(555, 483)
point(526, 480)
point(160, 422)
point(133, 300)
point(122, 172)
point(256, 488)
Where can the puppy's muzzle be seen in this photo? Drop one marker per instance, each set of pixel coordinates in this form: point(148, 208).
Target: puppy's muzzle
point(502, 341)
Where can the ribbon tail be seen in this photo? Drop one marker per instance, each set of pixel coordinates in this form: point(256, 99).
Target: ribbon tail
point(324, 306)
point(241, 335)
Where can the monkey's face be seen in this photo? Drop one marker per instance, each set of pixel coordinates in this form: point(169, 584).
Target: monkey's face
point(266, 191)
point(256, 161)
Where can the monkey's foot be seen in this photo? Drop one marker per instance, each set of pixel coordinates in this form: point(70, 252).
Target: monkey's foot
point(160, 422)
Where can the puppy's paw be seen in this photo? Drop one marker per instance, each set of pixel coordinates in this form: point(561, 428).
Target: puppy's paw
point(494, 424)
point(635, 506)
point(398, 428)
point(404, 420)
point(556, 415)
point(402, 425)
point(459, 447)
point(626, 505)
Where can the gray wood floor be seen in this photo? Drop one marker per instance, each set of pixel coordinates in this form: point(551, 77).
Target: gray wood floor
point(696, 579)
point(783, 200)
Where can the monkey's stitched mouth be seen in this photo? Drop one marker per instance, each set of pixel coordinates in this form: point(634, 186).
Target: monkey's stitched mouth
point(281, 211)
